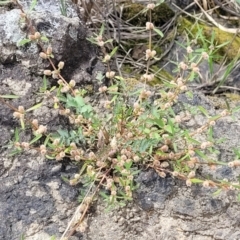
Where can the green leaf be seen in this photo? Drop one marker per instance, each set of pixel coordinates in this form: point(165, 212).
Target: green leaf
point(146, 130)
point(22, 235)
point(33, 5)
point(144, 144)
point(196, 180)
point(92, 40)
point(210, 134)
point(86, 108)
point(23, 42)
point(101, 30)
point(63, 133)
point(36, 139)
point(104, 195)
point(159, 122)
point(113, 89)
point(226, 74)
point(109, 40)
point(34, 107)
point(168, 128)
point(236, 186)
point(238, 197)
point(9, 96)
point(22, 123)
point(236, 109)
point(114, 98)
point(83, 168)
point(80, 101)
point(44, 39)
point(192, 76)
point(220, 140)
point(122, 181)
point(71, 102)
point(128, 165)
point(65, 179)
point(214, 118)
point(223, 44)
point(47, 140)
point(44, 87)
point(14, 152)
point(192, 140)
point(159, 32)
point(63, 8)
point(199, 50)
point(16, 135)
point(203, 110)
point(199, 153)
point(217, 192)
point(113, 51)
point(135, 173)
point(62, 98)
point(156, 135)
point(56, 106)
point(180, 44)
point(4, 2)
point(50, 157)
point(52, 88)
point(171, 124)
point(150, 150)
point(202, 37)
point(159, 2)
point(189, 95)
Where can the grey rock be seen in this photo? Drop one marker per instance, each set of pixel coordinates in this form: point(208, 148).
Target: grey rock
point(67, 37)
point(51, 6)
point(153, 190)
point(35, 201)
point(32, 197)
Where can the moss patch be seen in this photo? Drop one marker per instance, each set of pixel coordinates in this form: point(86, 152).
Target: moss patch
point(221, 37)
point(160, 76)
point(133, 12)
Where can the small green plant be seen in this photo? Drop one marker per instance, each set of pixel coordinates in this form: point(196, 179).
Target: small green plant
point(132, 126)
point(23, 238)
point(132, 129)
point(63, 7)
point(218, 53)
point(5, 2)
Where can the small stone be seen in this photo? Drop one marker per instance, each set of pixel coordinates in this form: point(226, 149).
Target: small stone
point(121, 221)
point(131, 215)
point(56, 168)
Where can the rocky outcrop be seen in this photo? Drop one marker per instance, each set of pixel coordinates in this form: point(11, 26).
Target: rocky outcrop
point(165, 208)
point(35, 201)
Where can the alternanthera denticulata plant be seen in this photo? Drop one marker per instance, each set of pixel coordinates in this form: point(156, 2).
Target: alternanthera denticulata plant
point(131, 128)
